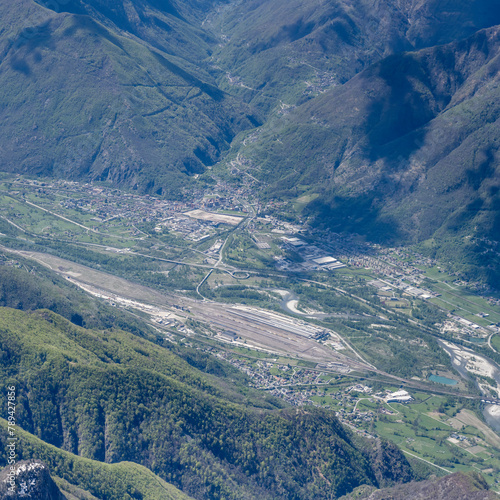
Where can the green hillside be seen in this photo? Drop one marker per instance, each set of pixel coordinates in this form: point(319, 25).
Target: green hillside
point(290, 51)
point(99, 104)
point(120, 481)
point(405, 151)
point(111, 396)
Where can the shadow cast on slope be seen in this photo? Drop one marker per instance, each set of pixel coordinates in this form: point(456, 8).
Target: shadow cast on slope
point(407, 99)
point(360, 214)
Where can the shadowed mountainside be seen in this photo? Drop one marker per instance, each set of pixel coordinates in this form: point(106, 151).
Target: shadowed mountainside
point(405, 151)
point(458, 486)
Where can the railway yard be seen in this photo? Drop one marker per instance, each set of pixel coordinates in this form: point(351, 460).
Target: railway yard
point(320, 320)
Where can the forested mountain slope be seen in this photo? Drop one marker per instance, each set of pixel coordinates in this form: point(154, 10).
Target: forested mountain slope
point(80, 100)
point(406, 150)
point(137, 93)
point(170, 25)
point(111, 396)
point(79, 478)
point(290, 50)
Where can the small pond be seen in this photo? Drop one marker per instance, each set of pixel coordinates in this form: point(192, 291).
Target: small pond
point(442, 380)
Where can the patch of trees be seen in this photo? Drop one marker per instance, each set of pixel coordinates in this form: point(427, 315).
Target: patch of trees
point(111, 396)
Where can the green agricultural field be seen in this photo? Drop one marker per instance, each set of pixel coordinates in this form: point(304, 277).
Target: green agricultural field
point(241, 251)
point(326, 400)
point(495, 342)
point(307, 364)
point(422, 428)
point(40, 222)
point(437, 274)
point(464, 303)
point(287, 361)
point(302, 201)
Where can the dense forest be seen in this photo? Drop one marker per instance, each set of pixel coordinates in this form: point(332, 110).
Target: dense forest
point(111, 396)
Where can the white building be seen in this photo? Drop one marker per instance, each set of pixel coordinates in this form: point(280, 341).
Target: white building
point(398, 397)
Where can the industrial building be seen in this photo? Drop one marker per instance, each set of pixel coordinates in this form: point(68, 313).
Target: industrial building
point(398, 397)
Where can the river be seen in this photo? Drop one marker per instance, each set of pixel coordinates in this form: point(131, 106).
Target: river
point(491, 413)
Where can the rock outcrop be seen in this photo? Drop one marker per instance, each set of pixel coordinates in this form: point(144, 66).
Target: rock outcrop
point(28, 479)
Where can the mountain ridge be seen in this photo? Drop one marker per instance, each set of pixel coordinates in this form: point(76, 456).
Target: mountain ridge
point(291, 50)
point(111, 396)
point(99, 115)
point(406, 150)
